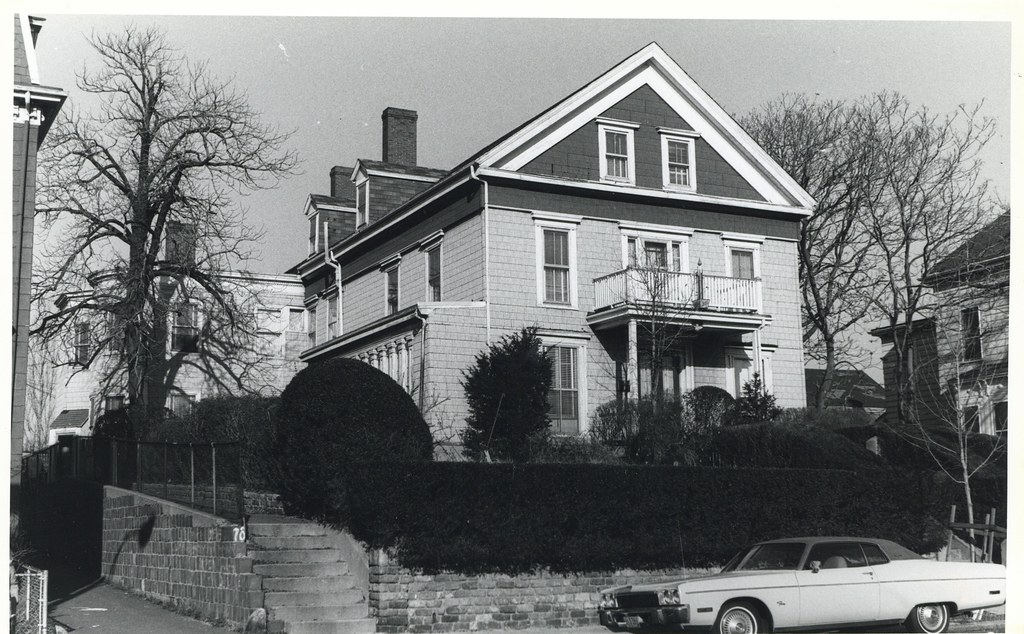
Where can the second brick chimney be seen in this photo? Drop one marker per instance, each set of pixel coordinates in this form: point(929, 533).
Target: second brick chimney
point(399, 138)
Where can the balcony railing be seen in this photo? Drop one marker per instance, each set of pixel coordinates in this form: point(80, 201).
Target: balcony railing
point(677, 290)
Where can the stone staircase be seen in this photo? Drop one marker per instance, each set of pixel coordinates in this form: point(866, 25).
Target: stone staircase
point(315, 580)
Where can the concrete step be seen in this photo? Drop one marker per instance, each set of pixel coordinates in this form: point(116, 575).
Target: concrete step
point(297, 556)
point(347, 626)
point(338, 583)
point(347, 596)
point(326, 569)
point(295, 613)
point(294, 542)
point(285, 529)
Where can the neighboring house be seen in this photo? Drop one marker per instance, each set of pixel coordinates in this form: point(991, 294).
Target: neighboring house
point(638, 175)
point(959, 351)
point(852, 389)
point(269, 363)
point(35, 108)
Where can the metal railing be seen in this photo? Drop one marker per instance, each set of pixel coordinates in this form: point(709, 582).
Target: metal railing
point(29, 615)
point(206, 477)
point(704, 292)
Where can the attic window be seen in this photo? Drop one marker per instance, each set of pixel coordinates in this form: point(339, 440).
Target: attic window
point(362, 203)
point(615, 143)
point(677, 159)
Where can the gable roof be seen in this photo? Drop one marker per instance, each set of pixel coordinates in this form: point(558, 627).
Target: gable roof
point(650, 66)
point(70, 418)
point(850, 388)
point(989, 245)
point(407, 170)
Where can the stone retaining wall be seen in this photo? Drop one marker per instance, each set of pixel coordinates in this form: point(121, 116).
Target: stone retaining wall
point(177, 556)
point(406, 601)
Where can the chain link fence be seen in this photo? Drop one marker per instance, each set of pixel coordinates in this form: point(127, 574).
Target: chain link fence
point(28, 614)
point(206, 477)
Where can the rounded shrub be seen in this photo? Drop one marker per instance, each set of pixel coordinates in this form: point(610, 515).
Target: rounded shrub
point(710, 404)
point(334, 415)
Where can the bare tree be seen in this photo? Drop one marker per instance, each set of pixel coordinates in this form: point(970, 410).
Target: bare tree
point(932, 199)
point(140, 199)
point(820, 144)
point(43, 383)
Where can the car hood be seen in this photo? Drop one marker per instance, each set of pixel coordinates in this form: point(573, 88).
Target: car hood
point(702, 580)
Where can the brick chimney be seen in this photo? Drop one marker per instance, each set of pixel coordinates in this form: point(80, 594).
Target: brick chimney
point(341, 183)
point(399, 142)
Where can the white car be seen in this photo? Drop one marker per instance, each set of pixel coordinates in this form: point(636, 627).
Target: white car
point(812, 584)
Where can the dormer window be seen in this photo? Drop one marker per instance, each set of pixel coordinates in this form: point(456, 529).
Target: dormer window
point(677, 159)
point(362, 202)
point(615, 140)
point(314, 234)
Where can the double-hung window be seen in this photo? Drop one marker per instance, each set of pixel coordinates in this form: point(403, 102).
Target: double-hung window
point(678, 160)
point(113, 403)
point(295, 319)
point(185, 328)
point(180, 404)
point(311, 326)
point(556, 260)
point(391, 290)
point(564, 395)
point(970, 329)
point(332, 317)
point(83, 335)
point(433, 260)
point(615, 147)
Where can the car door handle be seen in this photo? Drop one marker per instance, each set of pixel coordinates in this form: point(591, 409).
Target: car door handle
point(868, 573)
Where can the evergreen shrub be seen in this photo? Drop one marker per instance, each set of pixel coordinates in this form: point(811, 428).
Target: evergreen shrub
point(335, 413)
point(478, 517)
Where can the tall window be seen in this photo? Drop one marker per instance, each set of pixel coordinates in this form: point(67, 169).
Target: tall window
point(970, 328)
point(391, 290)
point(564, 393)
point(615, 144)
point(362, 203)
point(677, 163)
point(556, 266)
point(742, 263)
point(185, 329)
point(434, 274)
point(311, 327)
point(332, 317)
point(82, 343)
point(312, 235)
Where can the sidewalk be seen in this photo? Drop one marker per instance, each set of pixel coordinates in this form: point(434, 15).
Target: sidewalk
point(98, 607)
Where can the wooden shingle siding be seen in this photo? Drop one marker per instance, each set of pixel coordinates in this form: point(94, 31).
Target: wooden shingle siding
point(618, 208)
point(576, 156)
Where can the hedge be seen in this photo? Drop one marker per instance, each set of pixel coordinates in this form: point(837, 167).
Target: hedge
point(473, 517)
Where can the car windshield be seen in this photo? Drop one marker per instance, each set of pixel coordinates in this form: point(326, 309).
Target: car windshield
point(768, 557)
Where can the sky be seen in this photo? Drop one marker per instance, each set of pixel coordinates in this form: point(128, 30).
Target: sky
point(328, 79)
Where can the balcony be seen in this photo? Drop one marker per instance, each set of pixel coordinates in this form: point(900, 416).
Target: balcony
point(675, 295)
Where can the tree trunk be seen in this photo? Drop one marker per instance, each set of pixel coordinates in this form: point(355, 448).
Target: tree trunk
point(826, 380)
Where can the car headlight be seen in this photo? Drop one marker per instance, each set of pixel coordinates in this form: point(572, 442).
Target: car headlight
point(669, 597)
point(608, 601)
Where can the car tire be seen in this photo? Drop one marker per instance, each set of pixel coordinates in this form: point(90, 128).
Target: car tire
point(929, 618)
point(740, 617)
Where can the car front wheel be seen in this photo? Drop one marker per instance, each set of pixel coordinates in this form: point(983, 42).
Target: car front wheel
point(740, 618)
point(930, 618)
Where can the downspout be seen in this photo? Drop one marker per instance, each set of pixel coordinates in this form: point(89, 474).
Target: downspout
point(423, 357)
point(330, 259)
point(487, 252)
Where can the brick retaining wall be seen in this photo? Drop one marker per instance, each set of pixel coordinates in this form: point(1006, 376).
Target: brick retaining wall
point(178, 557)
point(406, 601)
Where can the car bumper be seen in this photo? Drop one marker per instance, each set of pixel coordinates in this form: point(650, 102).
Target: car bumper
point(640, 617)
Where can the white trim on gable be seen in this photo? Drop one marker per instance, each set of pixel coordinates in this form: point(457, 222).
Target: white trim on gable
point(653, 67)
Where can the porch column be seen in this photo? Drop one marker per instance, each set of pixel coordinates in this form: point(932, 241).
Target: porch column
point(758, 365)
point(632, 365)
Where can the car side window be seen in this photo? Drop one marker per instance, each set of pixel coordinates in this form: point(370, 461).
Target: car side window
point(876, 556)
point(836, 555)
